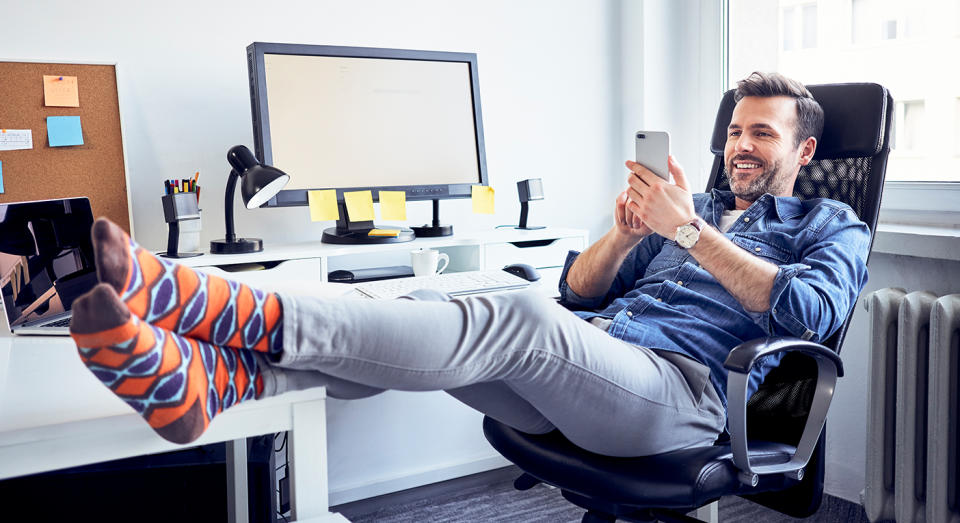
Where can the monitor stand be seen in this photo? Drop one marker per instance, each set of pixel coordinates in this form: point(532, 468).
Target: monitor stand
point(433, 230)
point(347, 232)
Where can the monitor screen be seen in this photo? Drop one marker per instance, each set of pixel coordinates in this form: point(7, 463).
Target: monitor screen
point(351, 118)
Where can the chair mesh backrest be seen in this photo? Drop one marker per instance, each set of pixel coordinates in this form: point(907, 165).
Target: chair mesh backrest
point(849, 166)
point(841, 179)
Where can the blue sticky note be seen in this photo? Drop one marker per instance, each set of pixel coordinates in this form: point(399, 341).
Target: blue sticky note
point(64, 130)
point(1, 177)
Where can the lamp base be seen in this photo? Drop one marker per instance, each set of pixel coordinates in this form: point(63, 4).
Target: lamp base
point(239, 246)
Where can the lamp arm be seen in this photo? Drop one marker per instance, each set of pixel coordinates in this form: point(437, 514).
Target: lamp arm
point(228, 205)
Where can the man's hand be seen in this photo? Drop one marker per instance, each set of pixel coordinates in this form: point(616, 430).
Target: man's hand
point(629, 227)
point(660, 205)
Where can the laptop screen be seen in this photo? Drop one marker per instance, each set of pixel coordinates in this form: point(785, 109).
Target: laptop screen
point(46, 257)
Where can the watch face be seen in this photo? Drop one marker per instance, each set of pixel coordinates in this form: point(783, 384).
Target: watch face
point(687, 236)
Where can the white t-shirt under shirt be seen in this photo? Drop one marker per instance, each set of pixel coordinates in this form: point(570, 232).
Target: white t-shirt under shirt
point(728, 219)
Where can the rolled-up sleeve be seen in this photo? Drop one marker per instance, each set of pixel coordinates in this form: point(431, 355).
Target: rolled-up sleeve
point(630, 271)
point(811, 299)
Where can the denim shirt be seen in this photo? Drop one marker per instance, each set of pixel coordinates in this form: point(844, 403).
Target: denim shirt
point(661, 298)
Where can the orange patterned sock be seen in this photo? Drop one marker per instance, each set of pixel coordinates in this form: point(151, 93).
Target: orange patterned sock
point(177, 384)
point(184, 301)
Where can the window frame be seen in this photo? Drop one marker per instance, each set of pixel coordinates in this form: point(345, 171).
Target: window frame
point(934, 203)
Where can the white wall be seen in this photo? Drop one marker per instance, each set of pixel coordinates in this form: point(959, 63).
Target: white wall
point(547, 80)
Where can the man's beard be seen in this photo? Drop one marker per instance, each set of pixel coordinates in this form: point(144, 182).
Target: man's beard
point(767, 181)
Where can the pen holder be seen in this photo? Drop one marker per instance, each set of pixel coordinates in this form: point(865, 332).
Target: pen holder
point(182, 214)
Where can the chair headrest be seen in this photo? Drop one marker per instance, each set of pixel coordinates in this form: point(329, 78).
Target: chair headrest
point(853, 123)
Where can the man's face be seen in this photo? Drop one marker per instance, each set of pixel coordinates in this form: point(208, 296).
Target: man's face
point(761, 155)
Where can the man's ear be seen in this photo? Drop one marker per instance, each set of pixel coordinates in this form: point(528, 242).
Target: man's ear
point(807, 149)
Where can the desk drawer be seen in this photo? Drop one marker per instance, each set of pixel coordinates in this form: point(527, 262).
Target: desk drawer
point(539, 253)
point(267, 272)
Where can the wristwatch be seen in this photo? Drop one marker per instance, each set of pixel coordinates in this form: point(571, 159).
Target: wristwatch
point(687, 235)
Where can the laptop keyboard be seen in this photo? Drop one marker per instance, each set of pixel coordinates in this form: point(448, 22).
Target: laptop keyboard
point(63, 322)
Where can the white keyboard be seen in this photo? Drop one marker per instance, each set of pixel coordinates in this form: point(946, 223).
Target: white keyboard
point(454, 284)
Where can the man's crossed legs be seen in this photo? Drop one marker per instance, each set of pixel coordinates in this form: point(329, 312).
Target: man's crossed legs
point(180, 347)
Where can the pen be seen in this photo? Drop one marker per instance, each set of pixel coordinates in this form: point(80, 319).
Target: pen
point(166, 187)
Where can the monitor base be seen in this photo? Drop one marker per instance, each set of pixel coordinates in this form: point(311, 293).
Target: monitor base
point(333, 235)
point(433, 231)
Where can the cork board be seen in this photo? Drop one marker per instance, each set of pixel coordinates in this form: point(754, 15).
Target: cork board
point(94, 169)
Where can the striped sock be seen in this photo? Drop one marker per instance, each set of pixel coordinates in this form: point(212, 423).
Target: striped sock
point(184, 301)
point(177, 384)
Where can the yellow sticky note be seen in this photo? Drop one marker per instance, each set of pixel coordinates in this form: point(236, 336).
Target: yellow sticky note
point(359, 205)
point(323, 205)
point(60, 91)
point(482, 197)
point(384, 232)
point(393, 205)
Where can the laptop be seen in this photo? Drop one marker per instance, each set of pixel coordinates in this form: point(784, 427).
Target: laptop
point(46, 262)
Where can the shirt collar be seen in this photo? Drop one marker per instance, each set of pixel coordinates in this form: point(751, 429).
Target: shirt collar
point(783, 207)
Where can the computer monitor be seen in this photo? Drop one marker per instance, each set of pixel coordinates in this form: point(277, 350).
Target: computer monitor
point(356, 118)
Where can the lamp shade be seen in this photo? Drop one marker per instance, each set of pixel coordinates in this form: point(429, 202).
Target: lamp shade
point(258, 182)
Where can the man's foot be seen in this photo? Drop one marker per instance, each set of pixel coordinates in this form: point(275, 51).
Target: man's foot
point(184, 301)
point(177, 384)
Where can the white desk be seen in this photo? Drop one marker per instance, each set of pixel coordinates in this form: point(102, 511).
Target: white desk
point(55, 414)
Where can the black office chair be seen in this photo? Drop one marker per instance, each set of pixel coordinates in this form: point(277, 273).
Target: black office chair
point(781, 464)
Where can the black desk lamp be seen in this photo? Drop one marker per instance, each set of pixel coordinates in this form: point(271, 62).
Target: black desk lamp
point(260, 183)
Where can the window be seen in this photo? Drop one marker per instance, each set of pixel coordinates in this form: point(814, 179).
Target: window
point(905, 46)
point(956, 127)
point(799, 27)
point(809, 26)
point(909, 127)
point(789, 21)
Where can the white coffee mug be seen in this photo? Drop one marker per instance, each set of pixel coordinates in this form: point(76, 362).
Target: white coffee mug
point(425, 262)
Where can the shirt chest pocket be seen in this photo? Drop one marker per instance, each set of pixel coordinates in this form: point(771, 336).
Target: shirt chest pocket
point(765, 249)
point(671, 256)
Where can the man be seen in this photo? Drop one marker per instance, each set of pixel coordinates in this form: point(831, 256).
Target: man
point(677, 282)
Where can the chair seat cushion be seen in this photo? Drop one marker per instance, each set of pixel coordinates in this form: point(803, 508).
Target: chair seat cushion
point(686, 478)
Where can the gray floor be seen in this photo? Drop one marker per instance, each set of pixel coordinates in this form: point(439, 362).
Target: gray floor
point(490, 497)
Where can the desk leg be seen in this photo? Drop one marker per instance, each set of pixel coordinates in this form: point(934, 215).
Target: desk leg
point(237, 511)
point(308, 463)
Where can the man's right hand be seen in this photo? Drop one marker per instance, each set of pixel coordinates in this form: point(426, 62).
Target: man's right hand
point(630, 229)
point(593, 271)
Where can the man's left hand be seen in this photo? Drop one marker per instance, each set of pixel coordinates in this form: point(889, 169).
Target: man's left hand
point(662, 206)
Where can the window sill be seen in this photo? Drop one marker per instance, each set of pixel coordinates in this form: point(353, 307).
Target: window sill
point(924, 241)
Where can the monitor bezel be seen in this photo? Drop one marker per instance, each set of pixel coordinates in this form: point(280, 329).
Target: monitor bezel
point(261, 117)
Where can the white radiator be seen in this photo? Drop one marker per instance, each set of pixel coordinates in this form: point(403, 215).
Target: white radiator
point(912, 437)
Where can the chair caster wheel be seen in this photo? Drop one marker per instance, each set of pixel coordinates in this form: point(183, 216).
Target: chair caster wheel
point(525, 482)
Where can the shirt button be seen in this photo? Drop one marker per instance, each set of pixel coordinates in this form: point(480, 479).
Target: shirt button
point(658, 299)
point(746, 218)
point(757, 249)
point(629, 314)
point(680, 282)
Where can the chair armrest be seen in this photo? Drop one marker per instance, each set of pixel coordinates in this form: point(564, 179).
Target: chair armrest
point(740, 362)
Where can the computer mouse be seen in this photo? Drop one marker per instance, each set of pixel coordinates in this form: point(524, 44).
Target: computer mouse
point(340, 276)
point(523, 270)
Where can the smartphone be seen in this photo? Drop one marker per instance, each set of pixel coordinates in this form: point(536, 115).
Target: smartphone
point(653, 148)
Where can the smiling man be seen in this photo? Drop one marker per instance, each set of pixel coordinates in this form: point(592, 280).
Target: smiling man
point(677, 282)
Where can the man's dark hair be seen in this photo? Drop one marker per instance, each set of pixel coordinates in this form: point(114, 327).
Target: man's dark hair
point(765, 85)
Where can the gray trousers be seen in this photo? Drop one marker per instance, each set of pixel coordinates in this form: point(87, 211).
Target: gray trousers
point(517, 357)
